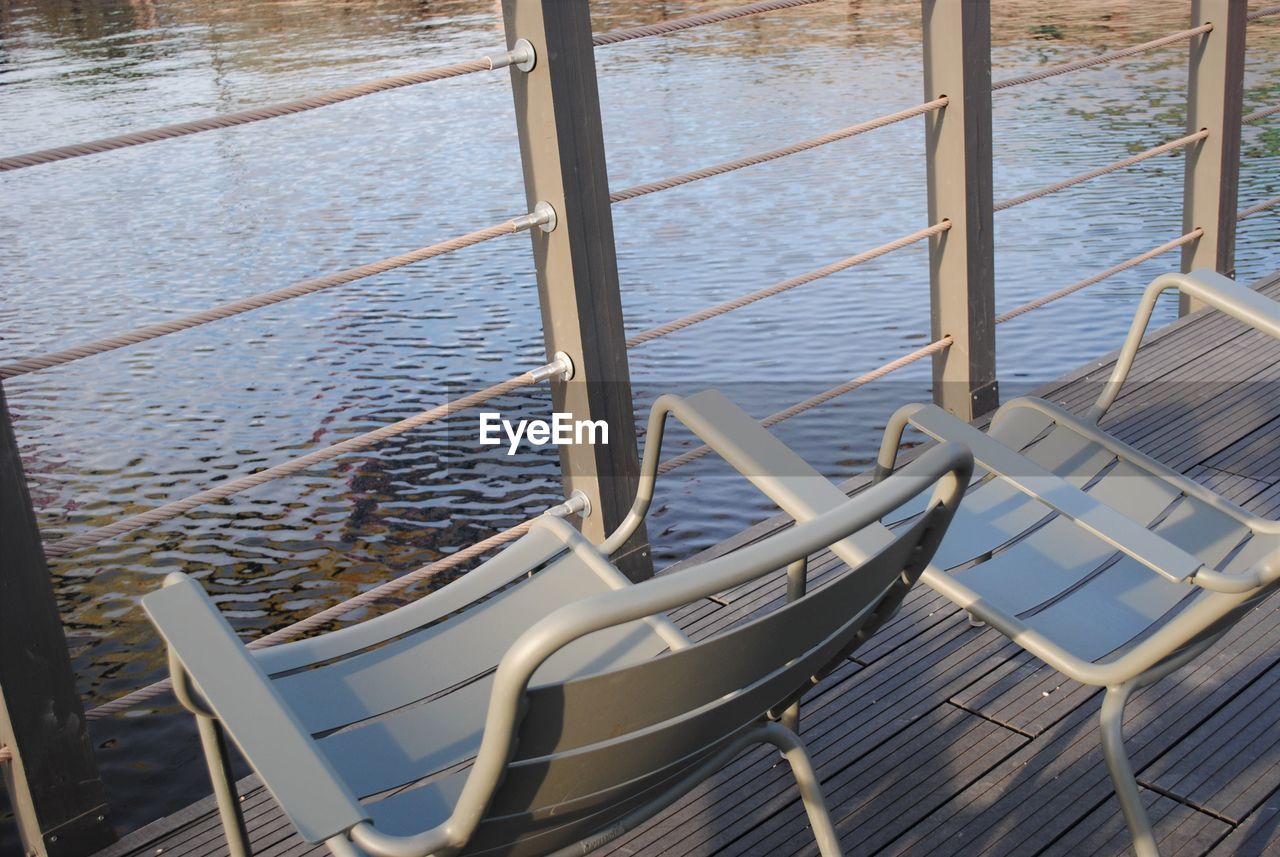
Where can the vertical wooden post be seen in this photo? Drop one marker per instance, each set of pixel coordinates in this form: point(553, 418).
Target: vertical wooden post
point(1215, 90)
point(52, 779)
point(562, 147)
point(957, 64)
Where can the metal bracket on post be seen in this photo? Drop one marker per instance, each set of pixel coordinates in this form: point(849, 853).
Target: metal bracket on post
point(957, 64)
point(51, 777)
point(1215, 92)
point(562, 148)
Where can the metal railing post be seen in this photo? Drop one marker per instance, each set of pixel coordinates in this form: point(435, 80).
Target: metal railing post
point(51, 777)
point(1215, 90)
point(562, 148)
point(957, 64)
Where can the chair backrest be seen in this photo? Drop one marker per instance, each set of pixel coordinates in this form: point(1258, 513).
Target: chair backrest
point(591, 749)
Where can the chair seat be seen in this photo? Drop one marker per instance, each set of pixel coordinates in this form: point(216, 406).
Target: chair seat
point(389, 715)
point(1084, 596)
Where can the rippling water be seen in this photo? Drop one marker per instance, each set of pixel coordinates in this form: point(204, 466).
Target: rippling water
point(92, 246)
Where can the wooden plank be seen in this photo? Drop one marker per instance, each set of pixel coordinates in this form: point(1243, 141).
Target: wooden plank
point(879, 795)
point(1055, 782)
point(1259, 836)
point(1024, 694)
point(855, 714)
point(1241, 489)
point(1183, 832)
point(51, 778)
point(1230, 763)
point(1256, 455)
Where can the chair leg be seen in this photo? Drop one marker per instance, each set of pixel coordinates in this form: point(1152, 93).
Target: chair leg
point(1126, 785)
point(224, 788)
point(810, 788)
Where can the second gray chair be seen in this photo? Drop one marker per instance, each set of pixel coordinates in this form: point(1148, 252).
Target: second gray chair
point(542, 702)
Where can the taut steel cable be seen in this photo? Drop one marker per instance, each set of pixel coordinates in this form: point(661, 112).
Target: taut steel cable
point(347, 93)
point(1100, 59)
point(306, 287)
point(1257, 208)
point(786, 285)
point(176, 508)
point(1101, 171)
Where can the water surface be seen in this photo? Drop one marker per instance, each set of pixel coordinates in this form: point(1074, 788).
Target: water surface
point(93, 246)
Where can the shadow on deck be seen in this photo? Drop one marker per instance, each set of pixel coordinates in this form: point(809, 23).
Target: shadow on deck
point(942, 738)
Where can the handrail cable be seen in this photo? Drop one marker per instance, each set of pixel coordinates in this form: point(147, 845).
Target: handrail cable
point(1259, 114)
point(1077, 65)
point(1262, 13)
point(359, 90)
point(254, 114)
point(821, 398)
point(786, 285)
point(519, 224)
point(1089, 281)
point(762, 157)
point(174, 509)
point(613, 37)
point(1101, 171)
point(305, 287)
point(1259, 207)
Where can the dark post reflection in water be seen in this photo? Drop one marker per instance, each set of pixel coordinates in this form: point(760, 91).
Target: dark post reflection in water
point(93, 246)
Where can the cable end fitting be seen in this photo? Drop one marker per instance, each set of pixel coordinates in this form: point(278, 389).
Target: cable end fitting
point(543, 216)
point(561, 365)
point(521, 55)
point(577, 504)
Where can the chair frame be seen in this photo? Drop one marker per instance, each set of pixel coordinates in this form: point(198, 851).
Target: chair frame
point(233, 689)
point(1222, 597)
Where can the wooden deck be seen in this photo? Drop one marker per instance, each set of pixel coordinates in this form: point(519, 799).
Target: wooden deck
point(959, 743)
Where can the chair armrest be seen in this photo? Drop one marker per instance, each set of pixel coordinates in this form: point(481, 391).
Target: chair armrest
point(241, 697)
point(773, 467)
point(1122, 533)
point(1209, 287)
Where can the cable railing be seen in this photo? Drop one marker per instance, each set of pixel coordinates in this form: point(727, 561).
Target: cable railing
point(1259, 115)
point(561, 366)
point(1100, 59)
point(1171, 146)
point(784, 286)
point(149, 332)
point(1257, 208)
point(539, 217)
point(774, 154)
point(520, 224)
point(521, 55)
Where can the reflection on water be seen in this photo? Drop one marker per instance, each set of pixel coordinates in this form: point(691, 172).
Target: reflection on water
point(92, 246)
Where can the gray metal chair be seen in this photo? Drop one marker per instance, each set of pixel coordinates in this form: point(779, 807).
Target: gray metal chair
point(1099, 560)
point(543, 703)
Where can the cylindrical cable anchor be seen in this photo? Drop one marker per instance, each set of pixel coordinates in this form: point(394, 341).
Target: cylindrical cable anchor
point(521, 55)
point(561, 364)
point(577, 504)
point(543, 216)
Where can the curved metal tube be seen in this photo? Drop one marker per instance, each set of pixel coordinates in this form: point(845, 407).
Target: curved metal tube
point(1209, 287)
